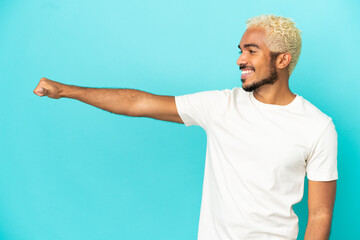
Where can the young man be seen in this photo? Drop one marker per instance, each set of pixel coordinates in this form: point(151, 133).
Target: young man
point(262, 139)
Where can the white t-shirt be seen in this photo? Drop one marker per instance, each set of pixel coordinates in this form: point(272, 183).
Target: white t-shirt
point(256, 159)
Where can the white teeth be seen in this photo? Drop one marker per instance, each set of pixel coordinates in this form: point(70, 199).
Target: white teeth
point(247, 71)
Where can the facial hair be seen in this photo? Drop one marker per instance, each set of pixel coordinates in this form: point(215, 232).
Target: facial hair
point(269, 80)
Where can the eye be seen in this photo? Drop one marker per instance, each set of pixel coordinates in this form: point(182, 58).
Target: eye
point(251, 51)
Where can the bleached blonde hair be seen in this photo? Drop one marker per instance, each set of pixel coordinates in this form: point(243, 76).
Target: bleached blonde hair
point(281, 35)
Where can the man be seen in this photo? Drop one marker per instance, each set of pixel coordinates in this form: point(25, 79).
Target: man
point(262, 139)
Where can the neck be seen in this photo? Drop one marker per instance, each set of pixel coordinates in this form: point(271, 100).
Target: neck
point(278, 93)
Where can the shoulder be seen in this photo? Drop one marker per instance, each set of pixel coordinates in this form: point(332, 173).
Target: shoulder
point(315, 119)
point(235, 93)
point(226, 98)
point(311, 111)
point(218, 96)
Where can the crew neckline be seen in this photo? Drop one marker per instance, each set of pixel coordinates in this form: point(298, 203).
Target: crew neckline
point(273, 106)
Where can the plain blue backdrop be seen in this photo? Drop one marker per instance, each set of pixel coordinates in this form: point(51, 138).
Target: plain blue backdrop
point(69, 171)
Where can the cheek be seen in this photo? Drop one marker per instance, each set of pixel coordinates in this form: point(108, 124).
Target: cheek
point(266, 66)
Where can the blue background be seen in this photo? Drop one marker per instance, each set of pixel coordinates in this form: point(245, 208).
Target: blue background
point(71, 171)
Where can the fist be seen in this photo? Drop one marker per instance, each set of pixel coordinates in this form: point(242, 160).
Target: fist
point(47, 87)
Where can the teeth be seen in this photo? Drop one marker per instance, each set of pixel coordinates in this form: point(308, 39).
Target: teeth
point(247, 71)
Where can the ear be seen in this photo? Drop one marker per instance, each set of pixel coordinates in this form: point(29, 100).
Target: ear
point(283, 60)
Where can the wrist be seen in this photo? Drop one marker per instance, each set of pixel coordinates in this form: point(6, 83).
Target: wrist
point(65, 91)
point(69, 91)
point(62, 90)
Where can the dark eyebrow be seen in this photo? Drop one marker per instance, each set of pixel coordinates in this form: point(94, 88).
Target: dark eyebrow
point(249, 45)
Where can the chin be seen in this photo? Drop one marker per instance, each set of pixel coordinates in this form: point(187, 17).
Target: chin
point(251, 86)
point(247, 89)
point(248, 86)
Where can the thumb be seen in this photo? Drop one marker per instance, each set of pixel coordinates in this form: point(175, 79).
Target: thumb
point(41, 91)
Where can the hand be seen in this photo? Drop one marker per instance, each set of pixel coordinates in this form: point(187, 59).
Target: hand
point(47, 87)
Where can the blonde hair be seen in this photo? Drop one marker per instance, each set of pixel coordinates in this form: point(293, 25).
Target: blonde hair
point(281, 35)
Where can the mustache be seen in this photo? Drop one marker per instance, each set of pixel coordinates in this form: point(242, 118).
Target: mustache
point(242, 66)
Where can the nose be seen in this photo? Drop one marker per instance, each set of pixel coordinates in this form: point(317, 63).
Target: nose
point(241, 60)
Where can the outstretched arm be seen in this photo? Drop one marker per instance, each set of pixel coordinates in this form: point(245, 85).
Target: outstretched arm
point(128, 102)
point(321, 199)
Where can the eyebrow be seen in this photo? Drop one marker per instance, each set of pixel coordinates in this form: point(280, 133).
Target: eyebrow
point(249, 45)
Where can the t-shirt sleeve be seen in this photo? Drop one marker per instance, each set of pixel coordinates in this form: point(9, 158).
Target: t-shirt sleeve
point(322, 163)
point(198, 108)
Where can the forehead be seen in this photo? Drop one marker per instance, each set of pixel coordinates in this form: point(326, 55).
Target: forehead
point(254, 35)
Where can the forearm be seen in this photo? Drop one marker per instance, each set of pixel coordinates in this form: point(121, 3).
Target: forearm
point(130, 102)
point(318, 228)
point(119, 101)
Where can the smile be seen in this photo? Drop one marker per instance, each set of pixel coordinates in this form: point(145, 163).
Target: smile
point(246, 73)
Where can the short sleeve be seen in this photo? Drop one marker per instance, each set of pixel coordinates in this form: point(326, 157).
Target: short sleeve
point(322, 163)
point(198, 108)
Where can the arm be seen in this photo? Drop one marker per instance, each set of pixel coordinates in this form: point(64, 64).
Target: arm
point(128, 102)
point(321, 199)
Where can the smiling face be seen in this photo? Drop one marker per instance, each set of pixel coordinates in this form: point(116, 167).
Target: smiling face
point(256, 61)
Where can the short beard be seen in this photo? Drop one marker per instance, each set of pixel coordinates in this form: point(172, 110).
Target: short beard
point(269, 80)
